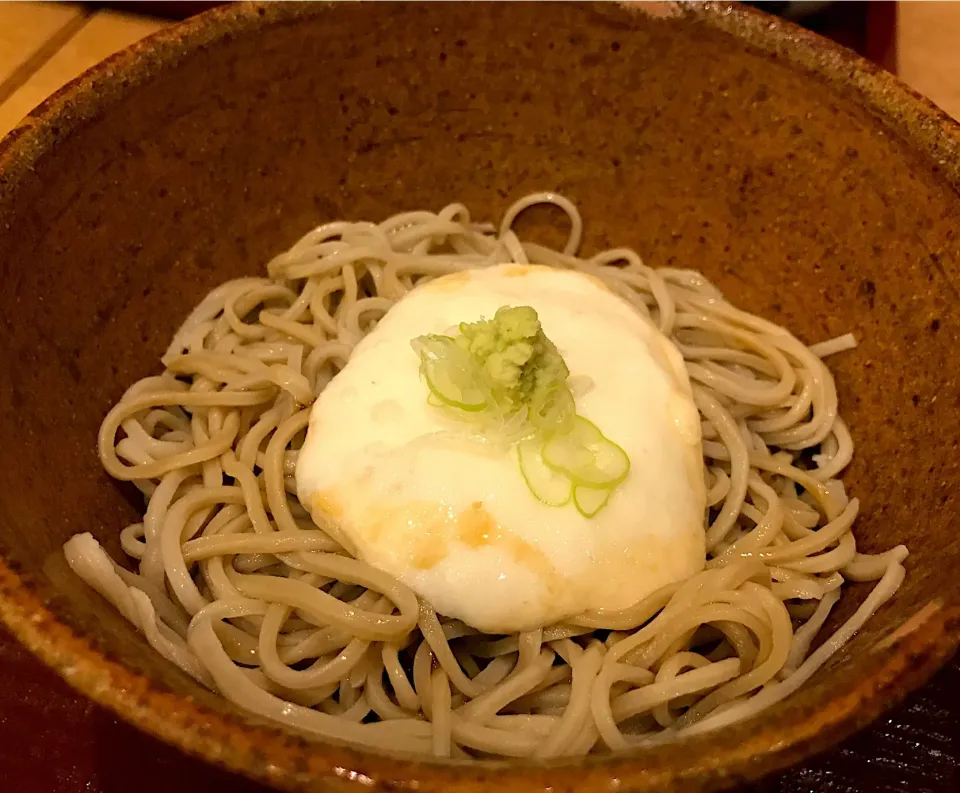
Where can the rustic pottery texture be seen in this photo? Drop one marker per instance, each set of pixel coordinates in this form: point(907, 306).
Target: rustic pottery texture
point(809, 186)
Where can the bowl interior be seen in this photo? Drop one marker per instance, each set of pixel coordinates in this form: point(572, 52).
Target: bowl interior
point(673, 136)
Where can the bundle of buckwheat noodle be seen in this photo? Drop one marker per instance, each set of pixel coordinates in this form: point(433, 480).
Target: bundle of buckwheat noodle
point(238, 587)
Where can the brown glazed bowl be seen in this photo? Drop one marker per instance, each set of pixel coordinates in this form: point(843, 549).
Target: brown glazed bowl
point(812, 187)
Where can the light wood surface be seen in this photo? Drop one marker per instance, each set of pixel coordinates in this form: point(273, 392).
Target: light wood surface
point(26, 27)
point(45, 45)
point(928, 40)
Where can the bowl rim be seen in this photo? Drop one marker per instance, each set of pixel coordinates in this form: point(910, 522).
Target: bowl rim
point(288, 762)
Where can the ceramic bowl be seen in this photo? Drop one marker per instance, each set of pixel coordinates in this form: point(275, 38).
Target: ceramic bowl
point(810, 186)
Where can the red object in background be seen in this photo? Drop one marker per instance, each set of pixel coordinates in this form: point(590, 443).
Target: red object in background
point(880, 44)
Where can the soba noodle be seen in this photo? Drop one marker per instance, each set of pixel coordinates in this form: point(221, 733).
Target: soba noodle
point(242, 591)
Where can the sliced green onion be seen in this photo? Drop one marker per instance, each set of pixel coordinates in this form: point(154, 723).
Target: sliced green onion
point(587, 456)
point(590, 500)
point(553, 411)
point(506, 380)
point(579, 384)
point(549, 486)
point(451, 374)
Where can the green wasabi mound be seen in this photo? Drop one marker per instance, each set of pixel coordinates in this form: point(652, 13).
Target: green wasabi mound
point(504, 377)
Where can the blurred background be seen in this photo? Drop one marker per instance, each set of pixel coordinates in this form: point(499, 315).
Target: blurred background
point(44, 45)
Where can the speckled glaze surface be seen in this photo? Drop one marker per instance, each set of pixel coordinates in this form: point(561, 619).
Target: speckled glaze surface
point(811, 187)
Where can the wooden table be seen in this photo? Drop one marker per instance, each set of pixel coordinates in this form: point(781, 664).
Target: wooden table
point(54, 741)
